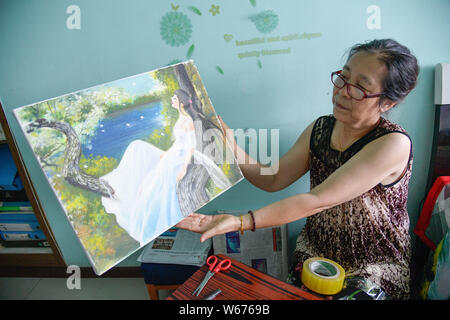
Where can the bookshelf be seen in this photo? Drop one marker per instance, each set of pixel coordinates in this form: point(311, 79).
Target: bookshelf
point(28, 256)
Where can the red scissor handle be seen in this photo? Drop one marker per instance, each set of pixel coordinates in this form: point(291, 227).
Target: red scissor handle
point(211, 262)
point(221, 266)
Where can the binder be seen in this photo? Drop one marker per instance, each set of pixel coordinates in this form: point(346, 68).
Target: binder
point(22, 235)
point(9, 177)
point(23, 239)
point(17, 217)
point(15, 206)
point(13, 195)
point(19, 226)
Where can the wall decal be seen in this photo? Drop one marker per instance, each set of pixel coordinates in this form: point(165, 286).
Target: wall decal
point(271, 40)
point(228, 37)
point(219, 69)
point(214, 10)
point(265, 21)
point(195, 10)
point(190, 52)
point(175, 28)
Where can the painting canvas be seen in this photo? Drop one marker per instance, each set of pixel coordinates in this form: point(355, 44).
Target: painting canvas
point(131, 158)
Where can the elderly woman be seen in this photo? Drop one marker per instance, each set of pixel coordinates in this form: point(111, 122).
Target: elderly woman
point(360, 165)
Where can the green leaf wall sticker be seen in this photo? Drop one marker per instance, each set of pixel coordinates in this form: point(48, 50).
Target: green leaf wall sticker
point(219, 69)
point(195, 10)
point(190, 51)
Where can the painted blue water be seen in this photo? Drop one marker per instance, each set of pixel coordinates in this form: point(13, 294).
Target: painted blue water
point(115, 133)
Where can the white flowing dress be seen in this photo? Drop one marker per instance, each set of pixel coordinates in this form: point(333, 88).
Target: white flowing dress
point(145, 201)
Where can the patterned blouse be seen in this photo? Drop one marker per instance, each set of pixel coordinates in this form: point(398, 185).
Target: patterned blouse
point(368, 235)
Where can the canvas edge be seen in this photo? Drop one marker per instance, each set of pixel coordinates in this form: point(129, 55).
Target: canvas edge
point(99, 85)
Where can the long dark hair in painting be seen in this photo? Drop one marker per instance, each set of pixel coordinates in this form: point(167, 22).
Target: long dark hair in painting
point(191, 190)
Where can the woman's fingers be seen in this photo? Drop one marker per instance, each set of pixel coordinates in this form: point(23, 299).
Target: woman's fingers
point(227, 132)
point(208, 225)
point(189, 222)
point(224, 125)
point(195, 222)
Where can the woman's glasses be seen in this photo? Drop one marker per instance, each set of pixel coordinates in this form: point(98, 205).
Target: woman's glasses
point(353, 91)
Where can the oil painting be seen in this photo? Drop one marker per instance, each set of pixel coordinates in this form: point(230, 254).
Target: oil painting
point(130, 158)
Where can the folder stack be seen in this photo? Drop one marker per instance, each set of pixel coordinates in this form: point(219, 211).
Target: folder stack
point(11, 187)
point(18, 224)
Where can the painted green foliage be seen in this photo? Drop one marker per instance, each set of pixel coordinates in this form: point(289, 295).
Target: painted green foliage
point(99, 232)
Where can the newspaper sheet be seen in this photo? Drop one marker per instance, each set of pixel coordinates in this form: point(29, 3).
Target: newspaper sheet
point(264, 249)
point(177, 246)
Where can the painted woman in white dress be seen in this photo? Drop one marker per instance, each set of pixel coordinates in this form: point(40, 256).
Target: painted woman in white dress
point(145, 201)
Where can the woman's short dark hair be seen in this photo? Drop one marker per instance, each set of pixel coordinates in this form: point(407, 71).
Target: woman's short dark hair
point(401, 64)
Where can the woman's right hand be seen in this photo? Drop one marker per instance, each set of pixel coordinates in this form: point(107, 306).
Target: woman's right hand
point(209, 225)
point(228, 133)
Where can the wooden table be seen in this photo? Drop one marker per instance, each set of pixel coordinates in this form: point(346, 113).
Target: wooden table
point(240, 282)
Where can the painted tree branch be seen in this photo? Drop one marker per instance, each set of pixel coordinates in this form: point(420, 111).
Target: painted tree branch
point(71, 167)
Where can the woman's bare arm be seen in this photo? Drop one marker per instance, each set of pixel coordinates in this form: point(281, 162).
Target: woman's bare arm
point(373, 164)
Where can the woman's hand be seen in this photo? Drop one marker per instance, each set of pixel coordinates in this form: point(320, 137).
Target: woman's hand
point(228, 133)
point(209, 225)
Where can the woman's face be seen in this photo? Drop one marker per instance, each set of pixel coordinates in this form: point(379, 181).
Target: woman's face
point(367, 72)
point(175, 102)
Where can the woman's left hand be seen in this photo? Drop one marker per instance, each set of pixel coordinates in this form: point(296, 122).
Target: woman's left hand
point(209, 225)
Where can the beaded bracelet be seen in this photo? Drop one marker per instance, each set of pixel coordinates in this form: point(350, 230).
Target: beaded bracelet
point(242, 225)
point(253, 220)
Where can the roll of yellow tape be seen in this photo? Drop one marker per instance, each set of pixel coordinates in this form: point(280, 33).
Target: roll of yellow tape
point(322, 275)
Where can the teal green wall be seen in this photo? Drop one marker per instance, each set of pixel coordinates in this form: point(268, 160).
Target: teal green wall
point(41, 58)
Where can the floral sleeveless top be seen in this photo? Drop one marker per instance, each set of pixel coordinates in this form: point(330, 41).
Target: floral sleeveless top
point(368, 235)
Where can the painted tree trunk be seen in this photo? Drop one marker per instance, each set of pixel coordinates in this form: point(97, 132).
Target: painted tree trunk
point(191, 189)
point(71, 167)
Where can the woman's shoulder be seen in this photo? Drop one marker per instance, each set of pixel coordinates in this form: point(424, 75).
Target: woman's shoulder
point(389, 126)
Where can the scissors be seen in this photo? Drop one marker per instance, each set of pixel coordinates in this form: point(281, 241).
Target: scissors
point(214, 268)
